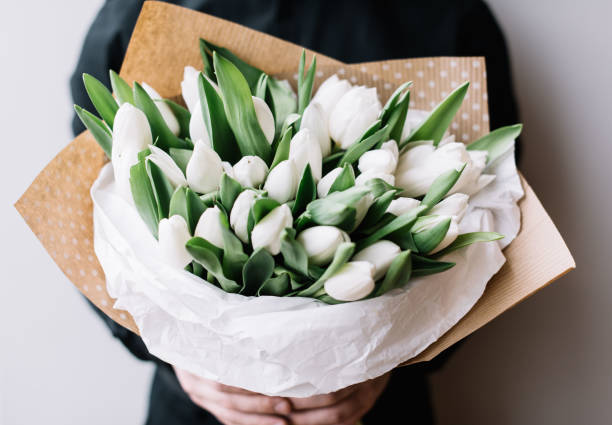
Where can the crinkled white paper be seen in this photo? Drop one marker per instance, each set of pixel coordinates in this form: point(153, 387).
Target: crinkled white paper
point(294, 347)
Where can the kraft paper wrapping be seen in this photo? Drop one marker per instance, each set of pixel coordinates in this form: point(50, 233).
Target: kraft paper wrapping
point(58, 208)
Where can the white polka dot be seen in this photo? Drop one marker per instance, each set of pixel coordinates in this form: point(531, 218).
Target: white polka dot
point(77, 256)
point(431, 84)
point(66, 255)
point(464, 75)
point(453, 64)
point(430, 64)
point(443, 74)
point(465, 137)
point(476, 64)
point(63, 239)
point(454, 126)
point(295, 76)
point(443, 94)
point(72, 225)
point(385, 67)
point(353, 79)
point(412, 104)
point(86, 241)
point(85, 288)
point(90, 258)
point(319, 74)
point(375, 77)
point(397, 75)
point(454, 84)
point(464, 116)
point(476, 106)
point(94, 273)
point(485, 117)
point(364, 69)
point(98, 287)
point(75, 241)
point(82, 272)
point(421, 94)
point(420, 74)
point(476, 127)
point(432, 104)
point(485, 96)
point(484, 74)
point(476, 85)
point(69, 272)
point(104, 303)
point(387, 86)
point(122, 316)
point(341, 71)
point(83, 227)
point(408, 65)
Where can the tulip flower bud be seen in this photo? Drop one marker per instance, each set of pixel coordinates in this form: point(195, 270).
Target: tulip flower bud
point(204, 169)
point(420, 165)
point(315, 120)
point(327, 181)
point(391, 146)
point(321, 243)
point(379, 160)
point(250, 171)
point(209, 227)
point(352, 282)
point(266, 234)
point(189, 87)
point(380, 254)
point(363, 178)
point(227, 167)
point(131, 134)
point(354, 113)
point(197, 126)
point(165, 162)
point(330, 92)
point(401, 206)
point(163, 109)
point(431, 221)
point(453, 206)
point(240, 213)
point(265, 118)
point(173, 235)
point(304, 149)
point(414, 118)
point(282, 182)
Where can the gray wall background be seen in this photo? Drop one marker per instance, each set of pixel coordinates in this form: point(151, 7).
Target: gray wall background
point(545, 361)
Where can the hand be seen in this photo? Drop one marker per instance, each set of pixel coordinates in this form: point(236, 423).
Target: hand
point(231, 405)
point(344, 407)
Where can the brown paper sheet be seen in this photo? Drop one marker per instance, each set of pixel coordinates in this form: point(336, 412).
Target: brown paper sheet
point(58, 209)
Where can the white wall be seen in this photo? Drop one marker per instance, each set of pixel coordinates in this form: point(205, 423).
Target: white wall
point(58, 362)
point(549, 360)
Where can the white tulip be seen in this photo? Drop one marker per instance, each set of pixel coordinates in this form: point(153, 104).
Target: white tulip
point(173, 235)
point(204, 169)
point(453, 206)
point(401, 206)
point(363, 178)
point(163, 109)
point(419, 166)
point(352, 282)
point(265, 118)
point(321, 243)
point(380, 160)
point(354, 113)
point(189, 87)
point(315, 120)
point(282, 182)
point(391, 146)
point(209, 227)
point(266, 234)
point(250, 171)
point(380, 254)
point(330, 92)
point(165, 162)
point(131, 134)
point(327, 181)
point(197, 126)
point(414, 118)
point(304, 149)
point(451, 234)
point(240, 213)
point(227, 167)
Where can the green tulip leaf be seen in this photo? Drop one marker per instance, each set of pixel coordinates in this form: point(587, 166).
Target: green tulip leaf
point(423, 266)
point(440, 187)
point(343, 254)
point(497, 142)
point(260, 208)
point(144, 197)
point(398, 274)
point(305, 83)
point(377, 210)
point(293, 252)
point(182, 115)
point(240, 110)
point(262, 86)
point(396, 122)
point(468, 239)
point(427, 240)
point(389, 107)
point(162, 188)
point(306, 192)
point(283, 102)
point(181, 157)
point(277, 286)
point(229, 189)
point(356, 150)
point(258, 268)
point(206, 59)
point(102, 99)
point(282, 150)
point(437, 122)
point(122, 90)
point(186, 203)
point(345, 180)
point(403, 222)
point(98, 129)
point(203, 252)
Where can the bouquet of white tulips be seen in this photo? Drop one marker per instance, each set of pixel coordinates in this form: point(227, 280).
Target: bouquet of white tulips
point(260, 191)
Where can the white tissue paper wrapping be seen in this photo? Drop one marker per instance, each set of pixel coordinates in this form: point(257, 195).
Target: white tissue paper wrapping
point(292, 346)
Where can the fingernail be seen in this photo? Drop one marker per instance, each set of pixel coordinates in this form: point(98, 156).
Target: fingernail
point(282, 407)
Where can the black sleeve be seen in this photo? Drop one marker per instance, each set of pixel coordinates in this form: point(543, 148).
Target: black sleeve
point(103, 49)
point(480, 35)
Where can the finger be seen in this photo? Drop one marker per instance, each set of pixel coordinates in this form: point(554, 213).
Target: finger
point(331, 415)
point(323, 400)
point(233, 390)
point(248, 403)
point(235, 417)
